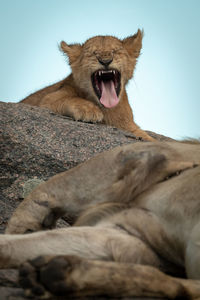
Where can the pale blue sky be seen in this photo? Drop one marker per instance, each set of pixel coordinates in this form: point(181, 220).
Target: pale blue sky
point(164, 93)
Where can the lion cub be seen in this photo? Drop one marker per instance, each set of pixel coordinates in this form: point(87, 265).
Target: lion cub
point(95, 90)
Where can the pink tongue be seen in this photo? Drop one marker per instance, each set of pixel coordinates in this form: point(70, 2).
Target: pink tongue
point(108, 97)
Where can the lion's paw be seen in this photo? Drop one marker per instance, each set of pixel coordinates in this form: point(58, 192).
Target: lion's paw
point(86, 112)
point(46, 276)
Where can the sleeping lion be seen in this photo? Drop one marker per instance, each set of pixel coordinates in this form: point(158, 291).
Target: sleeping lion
point(137, 228)
point(95, 90)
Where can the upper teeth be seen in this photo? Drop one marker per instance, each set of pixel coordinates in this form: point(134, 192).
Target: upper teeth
point(108, 71)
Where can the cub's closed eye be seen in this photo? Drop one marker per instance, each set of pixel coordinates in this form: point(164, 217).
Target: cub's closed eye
point(117, 50)
point(111, 51)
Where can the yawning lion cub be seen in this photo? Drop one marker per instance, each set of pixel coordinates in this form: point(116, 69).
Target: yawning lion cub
point(95, 90)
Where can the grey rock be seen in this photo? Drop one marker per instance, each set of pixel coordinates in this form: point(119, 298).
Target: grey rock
point(29, 185)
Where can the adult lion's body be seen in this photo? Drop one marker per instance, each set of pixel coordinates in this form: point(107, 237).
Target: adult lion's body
point(95, 90)
point(138, 208)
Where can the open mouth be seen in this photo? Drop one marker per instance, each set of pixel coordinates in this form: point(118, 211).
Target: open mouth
point(106, 84)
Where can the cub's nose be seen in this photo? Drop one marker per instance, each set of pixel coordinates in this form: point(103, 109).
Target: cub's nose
point(105, 62)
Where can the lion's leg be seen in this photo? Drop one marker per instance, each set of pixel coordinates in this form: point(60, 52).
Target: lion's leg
point(88, 242)
point(136, 130)
point(78, 108)
point(84, 241)
point(74, 276)
point(115, 176)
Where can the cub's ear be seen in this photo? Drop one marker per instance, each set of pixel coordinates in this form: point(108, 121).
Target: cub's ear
point(73, 51)
point(133, 44)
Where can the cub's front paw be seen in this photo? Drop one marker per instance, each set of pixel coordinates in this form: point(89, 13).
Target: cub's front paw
point(86, 111)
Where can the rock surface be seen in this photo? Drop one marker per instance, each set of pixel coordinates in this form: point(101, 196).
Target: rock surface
point(35, 145)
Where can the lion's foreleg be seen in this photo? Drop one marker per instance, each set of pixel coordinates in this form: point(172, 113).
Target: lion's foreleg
point(73, 276)
point(87, 242)
point(102, 243)
point(63, 103)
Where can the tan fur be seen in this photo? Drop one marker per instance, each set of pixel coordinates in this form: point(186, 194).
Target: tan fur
point(75, 95)
point(138, 208)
